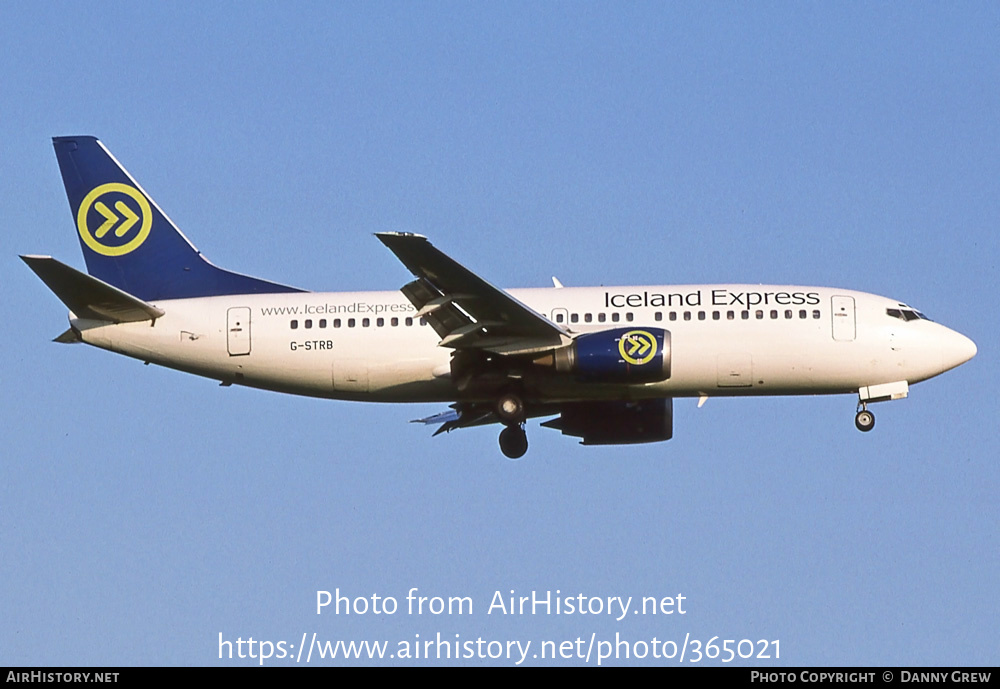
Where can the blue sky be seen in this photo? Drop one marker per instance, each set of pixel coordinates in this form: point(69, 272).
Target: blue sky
point(144, 512)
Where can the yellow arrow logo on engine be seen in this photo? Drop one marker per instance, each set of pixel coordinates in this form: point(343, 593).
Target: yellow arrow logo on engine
point(637, 347)
point(640, 345)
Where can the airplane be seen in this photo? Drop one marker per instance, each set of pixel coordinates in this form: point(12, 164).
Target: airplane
point(605, 363)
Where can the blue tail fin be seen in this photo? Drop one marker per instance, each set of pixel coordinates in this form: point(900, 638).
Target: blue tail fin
point(127, 241)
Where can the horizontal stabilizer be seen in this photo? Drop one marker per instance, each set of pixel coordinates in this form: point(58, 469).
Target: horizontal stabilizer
point(88, 297)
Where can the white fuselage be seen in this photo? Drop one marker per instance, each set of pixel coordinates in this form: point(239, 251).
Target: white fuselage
point(726, 340)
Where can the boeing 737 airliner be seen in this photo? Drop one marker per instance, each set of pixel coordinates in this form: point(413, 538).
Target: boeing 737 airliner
point(605, 363)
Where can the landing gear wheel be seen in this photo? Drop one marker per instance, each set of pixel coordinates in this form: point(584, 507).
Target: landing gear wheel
point(513, 442)
point(510, 409)
point(865, 421)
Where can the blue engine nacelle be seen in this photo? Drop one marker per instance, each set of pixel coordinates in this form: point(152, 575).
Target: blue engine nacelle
point(620, 355)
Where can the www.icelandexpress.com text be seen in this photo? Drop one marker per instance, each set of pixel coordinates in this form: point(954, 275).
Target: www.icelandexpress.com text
point(439, 645)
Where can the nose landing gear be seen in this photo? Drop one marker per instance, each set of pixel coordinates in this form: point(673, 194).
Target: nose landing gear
point(882, 392)
point(864, 420)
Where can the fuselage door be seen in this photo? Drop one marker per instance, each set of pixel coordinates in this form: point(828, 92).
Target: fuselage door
point(350, 375)
point(560, 316)
point(238, 329)
point(735, 371)
point(844, 324)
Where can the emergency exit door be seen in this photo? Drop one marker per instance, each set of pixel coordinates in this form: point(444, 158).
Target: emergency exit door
point(238, 329)
point(844, 324)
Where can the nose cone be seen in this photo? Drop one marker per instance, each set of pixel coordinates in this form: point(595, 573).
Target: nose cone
point(956, 350)
point(929, 349)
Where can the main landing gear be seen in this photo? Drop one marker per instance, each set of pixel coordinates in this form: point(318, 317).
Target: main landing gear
point(513, 439)
point(513, 442)
point(864, 420)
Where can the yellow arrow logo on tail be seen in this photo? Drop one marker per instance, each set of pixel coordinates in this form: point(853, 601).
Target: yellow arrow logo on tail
point(130, 219)
point(110, 219)
point(122, 222)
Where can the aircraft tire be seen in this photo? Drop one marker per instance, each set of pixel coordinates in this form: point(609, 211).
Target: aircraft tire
point(864, 421)
point(513, 442)
point(510, 409)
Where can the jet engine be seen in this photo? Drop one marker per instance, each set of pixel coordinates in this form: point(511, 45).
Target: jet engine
point(620, 355)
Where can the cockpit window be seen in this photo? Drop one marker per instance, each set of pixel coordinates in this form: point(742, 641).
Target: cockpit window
point(906, 314)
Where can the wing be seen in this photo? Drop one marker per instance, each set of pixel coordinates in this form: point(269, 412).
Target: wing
point(469, 414)
point(604, 422)
point(466, 311)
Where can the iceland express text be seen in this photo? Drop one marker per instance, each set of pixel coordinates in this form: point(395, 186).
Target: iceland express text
point(716, 297)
